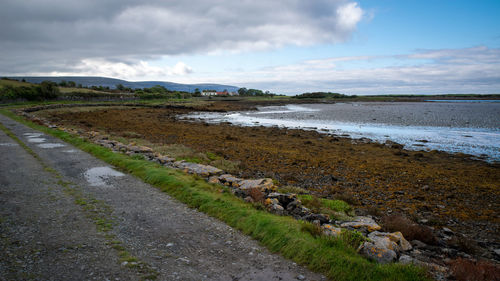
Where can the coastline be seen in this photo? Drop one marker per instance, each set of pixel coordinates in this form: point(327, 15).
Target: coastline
point(382, 179)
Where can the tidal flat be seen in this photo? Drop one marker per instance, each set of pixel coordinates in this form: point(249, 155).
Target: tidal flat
point(440, 188)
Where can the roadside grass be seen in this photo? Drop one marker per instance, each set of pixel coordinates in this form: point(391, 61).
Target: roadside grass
point(285, 235)
point(336, 209)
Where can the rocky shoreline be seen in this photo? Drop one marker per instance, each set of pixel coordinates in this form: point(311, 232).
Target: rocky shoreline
point(380, 246)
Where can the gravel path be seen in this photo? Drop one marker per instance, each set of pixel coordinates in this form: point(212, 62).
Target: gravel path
point(49, 209)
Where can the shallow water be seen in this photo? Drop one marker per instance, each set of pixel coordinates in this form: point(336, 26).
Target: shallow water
point(98, 176)
point(471, 128)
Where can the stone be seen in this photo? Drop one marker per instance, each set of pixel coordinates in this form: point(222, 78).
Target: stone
point(405, 259)
point(262, 184)
point(393, 241)
point(214, 179)
point(448, 231)
point(164, 159)
point(330, 230)
point(229, 180)
point(362, 222)
point(284, 199)
point(316, 217)
point(249, 199)
point(301, 277)
point(198, 169)
point(418, 244)
point(497, 252)
point(276, 209)
point(379, 254)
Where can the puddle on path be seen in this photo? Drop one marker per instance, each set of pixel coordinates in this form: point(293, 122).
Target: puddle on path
point(33, 135)
point(50, 145)
point(9, 144)
point(70, 151)
point(97, 176)
point(36, 140)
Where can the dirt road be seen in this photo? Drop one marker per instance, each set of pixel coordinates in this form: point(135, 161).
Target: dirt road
point(65, 215)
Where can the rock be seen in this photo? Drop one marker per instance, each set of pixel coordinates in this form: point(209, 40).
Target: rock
point(330, 230)
point(497, 252)
point(448, 231)
point(276, 209)
point(362, 222)
point(296, 210)
point(214, 179)
point(229, 180)
point(301, 277)
point(249, 199)
point(418, 244)
point(262, 184)
point(271, 201)
point(139, 149)
point(379, 254)
point(316, 217)
point(392, 241)
point(164, 159)
point(284, 199)
point(198, 169)
point(405, 259)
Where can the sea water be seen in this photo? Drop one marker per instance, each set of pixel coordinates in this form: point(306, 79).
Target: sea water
point(471, 128)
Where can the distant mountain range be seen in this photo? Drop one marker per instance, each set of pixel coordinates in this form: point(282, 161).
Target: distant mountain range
point(88, 81)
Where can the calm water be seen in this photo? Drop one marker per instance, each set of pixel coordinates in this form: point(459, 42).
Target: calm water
point(472, 128)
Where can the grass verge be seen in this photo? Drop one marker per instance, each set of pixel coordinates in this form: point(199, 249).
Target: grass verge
point(333, 257)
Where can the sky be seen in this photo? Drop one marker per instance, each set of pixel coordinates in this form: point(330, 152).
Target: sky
point(288, 47)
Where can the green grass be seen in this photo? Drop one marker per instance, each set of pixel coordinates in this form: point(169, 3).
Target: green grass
point(13, 83)
point(333, 257)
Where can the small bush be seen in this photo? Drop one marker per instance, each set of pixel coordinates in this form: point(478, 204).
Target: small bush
point(467, 270)
point(410, 230)
point(352, 238)
point(256, 194)
point(313, 229)
point(465, 244)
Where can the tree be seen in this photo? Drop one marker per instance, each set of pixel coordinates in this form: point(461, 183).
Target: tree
point(242, 91)
point(49, 90)
point(197, 93)
point(120, 87)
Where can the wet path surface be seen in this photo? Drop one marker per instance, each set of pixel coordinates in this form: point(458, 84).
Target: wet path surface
point(45, 235)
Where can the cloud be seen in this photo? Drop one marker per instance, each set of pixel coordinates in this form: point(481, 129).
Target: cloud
point(140, 70)
point(55, 35)
point(468, 70)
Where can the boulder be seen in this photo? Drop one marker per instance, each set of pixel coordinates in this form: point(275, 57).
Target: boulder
point(362, 222)
point(284, 199)
point(379, 254)
point(164, 159)
point(330, 230)
point(393, 241)
point(276, 209)
point(262, 184)
point(229, 180)
point(198, 169)
point(214, 179)
point(316, 217)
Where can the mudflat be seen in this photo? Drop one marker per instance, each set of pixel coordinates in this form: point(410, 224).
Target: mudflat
point(439, 188)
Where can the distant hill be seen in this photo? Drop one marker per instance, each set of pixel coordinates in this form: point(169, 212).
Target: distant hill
point(88, 81)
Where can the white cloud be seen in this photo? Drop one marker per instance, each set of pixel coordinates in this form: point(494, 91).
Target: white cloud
point(469, 70)
point(141, 70)
point(54, 35)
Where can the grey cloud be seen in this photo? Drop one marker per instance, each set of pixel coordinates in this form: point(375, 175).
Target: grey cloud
point(467, 70)
point(60, 33)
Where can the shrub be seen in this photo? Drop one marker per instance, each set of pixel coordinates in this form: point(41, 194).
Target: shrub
point(468, 270)
point(313, 229)
point(256, 194)
point(410, 230)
